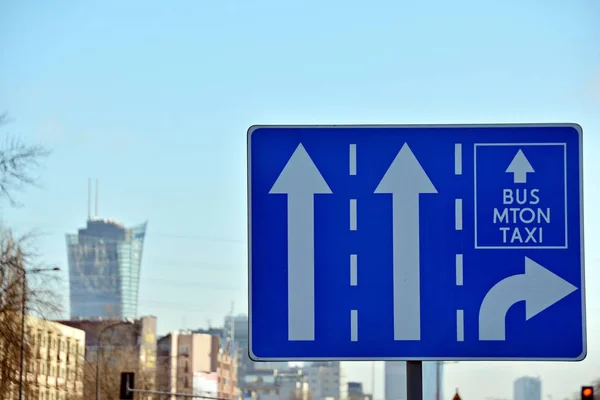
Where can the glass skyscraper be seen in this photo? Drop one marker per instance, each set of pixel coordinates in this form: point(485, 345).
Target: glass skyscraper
point(104, 269)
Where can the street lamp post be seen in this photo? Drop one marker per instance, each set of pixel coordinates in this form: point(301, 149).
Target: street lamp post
point(23, 310)
point(438, 380)
point(99, 339)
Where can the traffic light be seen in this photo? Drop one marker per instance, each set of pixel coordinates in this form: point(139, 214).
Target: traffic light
point(587, 393)
point(127, 382)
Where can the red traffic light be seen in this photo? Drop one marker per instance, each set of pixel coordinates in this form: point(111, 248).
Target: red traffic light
point(587, 392)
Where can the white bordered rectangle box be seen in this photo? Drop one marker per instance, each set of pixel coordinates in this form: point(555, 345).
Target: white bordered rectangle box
point(564, 244)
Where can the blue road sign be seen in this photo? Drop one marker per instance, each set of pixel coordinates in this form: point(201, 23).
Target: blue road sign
point(416, 242)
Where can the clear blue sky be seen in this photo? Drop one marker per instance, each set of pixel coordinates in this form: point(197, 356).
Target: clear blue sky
point(154, 99)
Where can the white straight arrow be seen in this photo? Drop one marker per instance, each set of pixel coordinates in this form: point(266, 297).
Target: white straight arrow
point(405, 180)
point(300, 180)
point(538, 287)
point(520, 167)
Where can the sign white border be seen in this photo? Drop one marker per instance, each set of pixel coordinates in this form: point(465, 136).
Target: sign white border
point(413, 126)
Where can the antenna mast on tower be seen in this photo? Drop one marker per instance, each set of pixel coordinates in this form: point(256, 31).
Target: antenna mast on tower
point(96, 197)
point(89, 198)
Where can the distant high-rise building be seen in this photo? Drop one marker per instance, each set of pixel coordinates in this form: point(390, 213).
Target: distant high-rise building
point(104, 269)
point(395, 380)
point(288, 385)
point(236, 332)
point(527, 388)
point(355, 392)
point(326, 380)
point(433, 380)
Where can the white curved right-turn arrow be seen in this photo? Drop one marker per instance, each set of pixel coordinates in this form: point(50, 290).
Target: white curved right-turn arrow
point(538, 287)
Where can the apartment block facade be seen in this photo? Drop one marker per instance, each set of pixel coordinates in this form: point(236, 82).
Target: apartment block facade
point(196, 363)
point(118, 346)
point(54, 362)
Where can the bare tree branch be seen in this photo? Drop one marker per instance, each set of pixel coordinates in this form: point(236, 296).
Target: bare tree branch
point(20, 289)
point(18, 161)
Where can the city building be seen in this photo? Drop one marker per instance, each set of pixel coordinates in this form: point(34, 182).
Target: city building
point(395, 380)
point(258, 383)
point(355, 392)
point(118, 346)
point(274, 384)
point(220, 332)
point(433, 374)
point(235, 331)
point(289, 385)
point(325, 380)
point(271, 365)
point(252, 377)
point(227, 372)
point(196, 363)
point(104, 269)
point(54, 362)
point(527, 388)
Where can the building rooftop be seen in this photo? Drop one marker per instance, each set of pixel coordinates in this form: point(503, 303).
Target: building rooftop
point(108, 221)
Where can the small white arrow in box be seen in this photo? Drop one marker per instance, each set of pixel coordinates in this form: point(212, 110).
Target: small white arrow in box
point(520, 167)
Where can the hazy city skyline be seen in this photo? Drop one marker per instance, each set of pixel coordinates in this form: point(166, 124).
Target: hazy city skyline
point(155, 100)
